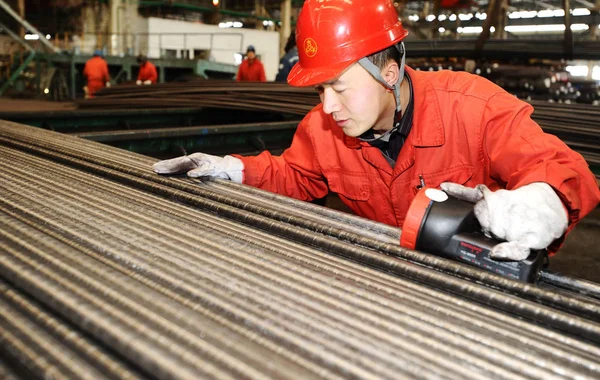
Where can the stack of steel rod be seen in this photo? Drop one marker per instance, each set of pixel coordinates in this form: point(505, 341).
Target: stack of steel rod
point(578, 125)
point(109, 270)
point(269, 96)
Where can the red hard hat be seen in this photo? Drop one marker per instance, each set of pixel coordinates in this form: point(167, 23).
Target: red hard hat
point(333, 34)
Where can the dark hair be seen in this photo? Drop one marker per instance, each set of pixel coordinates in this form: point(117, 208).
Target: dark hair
point(382, 57)
point(141, 59)
point(291, 42)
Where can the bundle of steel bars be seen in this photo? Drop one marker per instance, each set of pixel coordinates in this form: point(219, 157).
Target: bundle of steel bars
point(578, 125)
point(111, 271)
point(500, 49)
point(269, 96)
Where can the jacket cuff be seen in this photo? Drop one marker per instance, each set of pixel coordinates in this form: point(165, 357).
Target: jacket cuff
point(251, 169)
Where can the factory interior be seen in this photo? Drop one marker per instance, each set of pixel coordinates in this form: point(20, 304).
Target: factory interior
point(112, 269)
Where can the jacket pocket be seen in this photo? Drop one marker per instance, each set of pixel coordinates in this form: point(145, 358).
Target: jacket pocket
point(353, 187)
point(461, 174)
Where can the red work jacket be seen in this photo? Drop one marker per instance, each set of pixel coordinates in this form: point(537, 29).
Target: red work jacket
point(465, 130)
point(251, 72)
point(96, 73)
point(148, 72)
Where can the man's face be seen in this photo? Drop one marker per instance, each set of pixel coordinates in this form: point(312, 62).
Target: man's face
point(251, 55)
point(356, 101)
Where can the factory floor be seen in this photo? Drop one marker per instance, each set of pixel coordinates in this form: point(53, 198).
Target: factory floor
point(579, 256)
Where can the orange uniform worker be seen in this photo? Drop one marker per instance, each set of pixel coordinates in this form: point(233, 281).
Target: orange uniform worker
point(147, 74)
point(383, 130)
point(251, 69)
point(96, 74)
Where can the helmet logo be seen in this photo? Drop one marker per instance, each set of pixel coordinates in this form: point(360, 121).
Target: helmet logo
point(310, 47)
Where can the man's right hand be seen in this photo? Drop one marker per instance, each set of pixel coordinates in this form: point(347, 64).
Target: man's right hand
point(202, 165)
point(138, 82)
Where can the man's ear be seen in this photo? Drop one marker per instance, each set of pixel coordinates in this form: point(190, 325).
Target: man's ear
point(391, 72)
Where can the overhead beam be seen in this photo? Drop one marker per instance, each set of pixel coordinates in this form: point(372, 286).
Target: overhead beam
point(28, 26)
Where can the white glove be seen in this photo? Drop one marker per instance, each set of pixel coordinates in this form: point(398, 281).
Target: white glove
point(530, 217)
point(138, 82)
point(107, 84)
point(201, 165)
point(148, 81)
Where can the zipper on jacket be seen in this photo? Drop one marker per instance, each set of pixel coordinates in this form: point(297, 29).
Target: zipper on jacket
point(421, 182)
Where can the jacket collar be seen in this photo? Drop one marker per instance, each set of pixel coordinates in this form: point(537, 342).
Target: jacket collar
point(428, 127)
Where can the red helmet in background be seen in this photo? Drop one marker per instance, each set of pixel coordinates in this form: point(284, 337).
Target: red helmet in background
point(333, 34)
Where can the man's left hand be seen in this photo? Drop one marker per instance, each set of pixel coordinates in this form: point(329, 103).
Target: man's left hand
point(530, 217)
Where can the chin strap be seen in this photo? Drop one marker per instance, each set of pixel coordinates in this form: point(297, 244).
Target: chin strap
point(376, 73)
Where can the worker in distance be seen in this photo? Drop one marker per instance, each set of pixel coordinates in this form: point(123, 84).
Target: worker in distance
point(147, 74)
point(96, 74)
point(383, 130)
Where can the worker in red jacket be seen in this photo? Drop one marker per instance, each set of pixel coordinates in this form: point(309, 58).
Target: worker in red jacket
point(147, 74)
point(96, 73)
point(251, 69)
point(383, 131)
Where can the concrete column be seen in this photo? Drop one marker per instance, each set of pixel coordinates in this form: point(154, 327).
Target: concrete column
point(500, 32)
point(286, 24)
point(590, 65)
point(21, 9)
point(128, 28)
point(435, 25)
point(117, 9)
point(89, 39)
point(568, 42)
point(258, 13)
point(96, 23)
point(594, 27)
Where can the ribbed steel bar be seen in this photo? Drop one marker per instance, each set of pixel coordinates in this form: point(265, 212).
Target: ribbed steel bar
point(188, 272)
point(140, 168)
point(574, 284)
point(200, 338)
point(69, 210)
point(586, 309)
point(59, 296)
point(30, 200)
point(467, 358)
point(134, 272)
point(75, 280)
point(64, 335)
point(132, 221)
point(27, 343)
point(379, 230)
point(8, 373)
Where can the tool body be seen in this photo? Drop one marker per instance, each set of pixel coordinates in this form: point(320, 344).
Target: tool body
point(446, 226)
